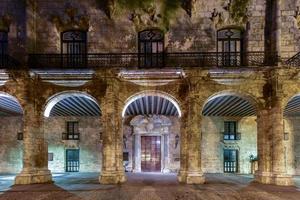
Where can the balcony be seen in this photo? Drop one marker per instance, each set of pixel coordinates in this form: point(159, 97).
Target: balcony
point(231, 136)
point(134, 60)
point(8, 62)
point(70, 136)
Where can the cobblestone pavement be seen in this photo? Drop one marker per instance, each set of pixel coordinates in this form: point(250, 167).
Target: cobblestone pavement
point(85, 186)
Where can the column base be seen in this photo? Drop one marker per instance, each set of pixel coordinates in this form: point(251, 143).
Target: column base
point(33, 177)
point(181, 176)
point(191, 177)
point(111, 178)
point(282, 180)
point(275, 179)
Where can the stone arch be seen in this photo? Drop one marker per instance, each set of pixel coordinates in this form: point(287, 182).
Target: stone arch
point(229, 127)
point(145, 93)
point(54, 99)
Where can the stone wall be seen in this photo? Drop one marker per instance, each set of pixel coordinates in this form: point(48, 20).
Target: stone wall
point(213, 143)
point(11, 149)
point(185, 30)
point(89, 144)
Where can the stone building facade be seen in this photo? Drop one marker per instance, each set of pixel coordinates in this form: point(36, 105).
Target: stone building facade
point(185, 86)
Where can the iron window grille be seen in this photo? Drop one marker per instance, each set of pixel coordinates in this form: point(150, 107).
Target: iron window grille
point(151, 48)
point(72, 132)
point(50, 156)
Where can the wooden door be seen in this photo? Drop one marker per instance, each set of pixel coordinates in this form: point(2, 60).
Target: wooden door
point(151, 153)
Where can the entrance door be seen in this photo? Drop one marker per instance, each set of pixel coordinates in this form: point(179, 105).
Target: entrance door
point(72, 160)
point(230, 160)
point(151, 153)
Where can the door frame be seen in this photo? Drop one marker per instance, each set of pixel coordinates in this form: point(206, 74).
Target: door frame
point(164, 140)
point(237, 160)
point(66, 160)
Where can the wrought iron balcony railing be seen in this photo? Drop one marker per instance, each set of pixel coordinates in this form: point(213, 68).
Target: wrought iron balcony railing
point(70, 136)
point(8, 62)
point(177, 59)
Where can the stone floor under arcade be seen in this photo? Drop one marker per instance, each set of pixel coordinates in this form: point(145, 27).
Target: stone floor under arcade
point(147, 186)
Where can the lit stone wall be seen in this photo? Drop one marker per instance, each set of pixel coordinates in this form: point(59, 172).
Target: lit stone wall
point(89, 143)
point(292, 128)
point(184, 30)
point(213, 144)
point(11, 149)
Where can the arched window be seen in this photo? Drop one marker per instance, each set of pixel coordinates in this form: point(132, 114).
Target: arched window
point(74, 48)
point(229, 47)
point(3, 42)
point(151, 48)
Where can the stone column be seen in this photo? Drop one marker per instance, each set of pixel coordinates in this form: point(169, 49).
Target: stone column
point(263, 174)
point(280, 176)
point(191, 172)
point(112, 162)
point(35, 157)
point(183, 147)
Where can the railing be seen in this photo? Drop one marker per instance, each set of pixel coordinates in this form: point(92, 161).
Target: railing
point(70, 136)
point(293, 61)
point(8, 62)
point(231, 136)
point(177, 59)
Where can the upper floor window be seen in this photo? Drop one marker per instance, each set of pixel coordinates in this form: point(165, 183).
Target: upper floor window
point(74, 48)
point(230, 130)
point(74, 42)
point(151, 48)
point(72, 131)
point(3, 42)
point(229, 47)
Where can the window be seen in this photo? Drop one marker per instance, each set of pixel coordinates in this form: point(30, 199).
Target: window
point(20, 136)
point(50, 156)
point(229, 47)
point(151, 48)
point(72, 132)
point(230, 132)
point(74, 48)
point(3, 47)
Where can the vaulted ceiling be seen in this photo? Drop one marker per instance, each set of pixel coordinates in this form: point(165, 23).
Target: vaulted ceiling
point(9, 106)
point(149, 105)
point(76, 106)
point(227, 105)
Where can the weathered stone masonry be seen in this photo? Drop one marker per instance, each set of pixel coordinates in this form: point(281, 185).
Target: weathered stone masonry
point(35, 27)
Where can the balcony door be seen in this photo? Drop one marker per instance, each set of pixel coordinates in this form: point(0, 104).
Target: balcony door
point(151, 49)
point(151, 153)
point(74, 48)
point(72, 160)
point(230, 160)
point(229, 47)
